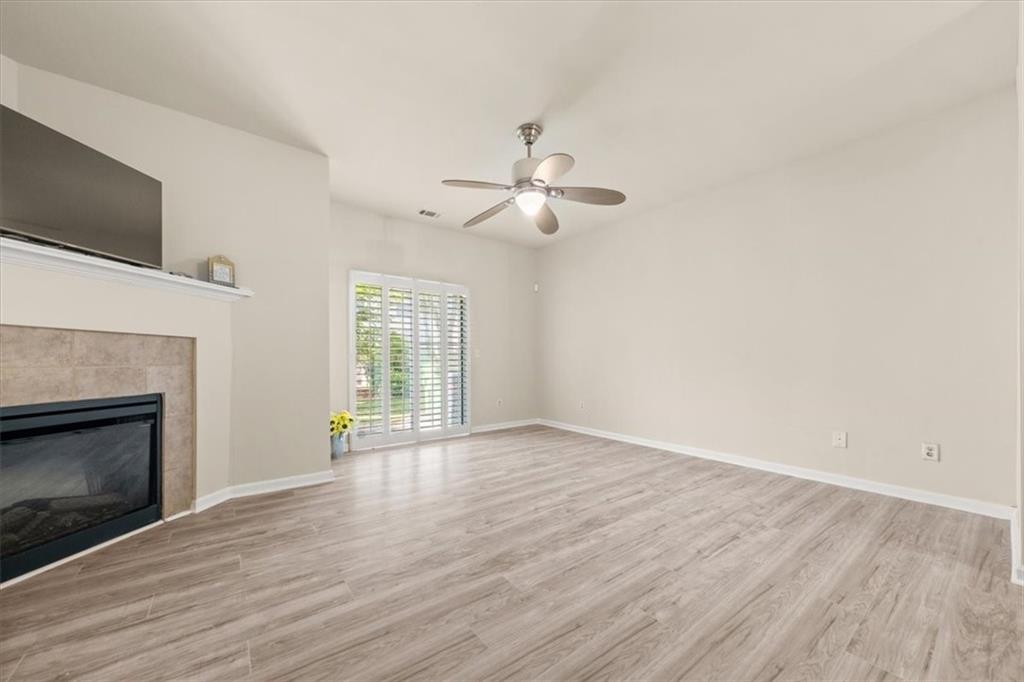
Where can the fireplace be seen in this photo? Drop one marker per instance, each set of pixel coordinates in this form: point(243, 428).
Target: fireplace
point(76, 474)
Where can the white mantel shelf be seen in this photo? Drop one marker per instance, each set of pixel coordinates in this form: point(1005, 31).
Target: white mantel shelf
point(17, 252)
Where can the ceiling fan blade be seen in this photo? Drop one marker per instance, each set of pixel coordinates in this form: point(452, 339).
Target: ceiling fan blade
point(546, 220)
point(590, 195)
point(474, 184)
point(489, 213)
point(553, 167)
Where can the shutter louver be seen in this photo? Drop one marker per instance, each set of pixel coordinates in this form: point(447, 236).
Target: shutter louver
point(369, 376)
point(400, 350)
point(458, 361)
point(431, 397)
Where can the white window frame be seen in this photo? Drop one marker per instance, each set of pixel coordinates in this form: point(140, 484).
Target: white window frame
point(416, 285)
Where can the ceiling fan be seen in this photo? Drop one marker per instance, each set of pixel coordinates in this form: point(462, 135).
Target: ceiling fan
point(531, 186)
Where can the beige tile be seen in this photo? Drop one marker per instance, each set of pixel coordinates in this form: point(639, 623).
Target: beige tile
point(105, 382)
point(178, 490)
point(176, 385)
point(28, 385)
point(178, 441)
point(98, 349)
point(168, 350)
point(34, 347)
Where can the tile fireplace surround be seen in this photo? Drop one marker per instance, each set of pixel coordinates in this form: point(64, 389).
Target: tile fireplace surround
point(40, 365)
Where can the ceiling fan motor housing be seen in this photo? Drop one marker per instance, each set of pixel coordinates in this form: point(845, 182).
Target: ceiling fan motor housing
point(522, 170)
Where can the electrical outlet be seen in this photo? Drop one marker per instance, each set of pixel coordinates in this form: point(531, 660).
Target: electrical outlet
point(839, 439)
point(500, 401)
point(930, 452)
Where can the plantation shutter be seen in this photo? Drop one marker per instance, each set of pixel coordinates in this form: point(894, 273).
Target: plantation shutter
point(409, 359)
point(458, 360)
point(430, 361)
point(401, 350)
point(369, 374)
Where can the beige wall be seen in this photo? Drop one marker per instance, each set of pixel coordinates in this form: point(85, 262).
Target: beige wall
point(500, 278)
point(1019, 547)
point(263, 204)
point(8, 82)
point(38, 298)
point(870, 290)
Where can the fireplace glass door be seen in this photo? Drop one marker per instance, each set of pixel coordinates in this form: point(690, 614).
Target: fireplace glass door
point(75, 474)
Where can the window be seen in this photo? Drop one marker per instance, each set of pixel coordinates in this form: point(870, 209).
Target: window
point(409, 358)
point(458, 359)
point(369, 332)
point(430, 361)
point(400, 352)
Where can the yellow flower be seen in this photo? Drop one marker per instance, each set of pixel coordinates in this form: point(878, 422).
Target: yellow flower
point(341, 422)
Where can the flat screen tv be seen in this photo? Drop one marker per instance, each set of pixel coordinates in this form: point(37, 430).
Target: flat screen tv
point(57, 190)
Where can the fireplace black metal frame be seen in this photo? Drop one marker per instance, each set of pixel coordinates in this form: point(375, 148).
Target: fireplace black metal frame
point(23, 417)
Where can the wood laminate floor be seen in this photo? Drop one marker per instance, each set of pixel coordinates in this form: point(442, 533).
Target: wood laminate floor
point(534, 554)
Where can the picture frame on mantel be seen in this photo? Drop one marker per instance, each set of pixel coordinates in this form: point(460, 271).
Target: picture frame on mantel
point(220, 270)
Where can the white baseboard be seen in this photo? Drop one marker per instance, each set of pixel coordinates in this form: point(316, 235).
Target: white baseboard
point(1016, 550)
point(501, 426)
point(212, 500)
point(997, 511)
point(260, 487)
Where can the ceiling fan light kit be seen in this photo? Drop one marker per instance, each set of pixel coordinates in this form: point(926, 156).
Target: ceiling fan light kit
point(532, 186)
point(529, 200)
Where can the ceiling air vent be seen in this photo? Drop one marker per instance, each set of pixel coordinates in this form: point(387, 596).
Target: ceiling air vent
point(429, 214)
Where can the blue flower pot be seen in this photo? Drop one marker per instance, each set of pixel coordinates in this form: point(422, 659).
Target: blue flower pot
point(338, 445)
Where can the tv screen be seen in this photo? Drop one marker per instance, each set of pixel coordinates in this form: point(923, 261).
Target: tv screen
point(58, 190)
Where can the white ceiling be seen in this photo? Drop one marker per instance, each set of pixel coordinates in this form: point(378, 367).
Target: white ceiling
point(653, 99)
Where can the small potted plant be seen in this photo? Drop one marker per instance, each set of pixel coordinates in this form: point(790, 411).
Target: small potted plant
point(341, 424)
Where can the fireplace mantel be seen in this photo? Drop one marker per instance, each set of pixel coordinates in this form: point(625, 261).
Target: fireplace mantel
point(17, 252)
